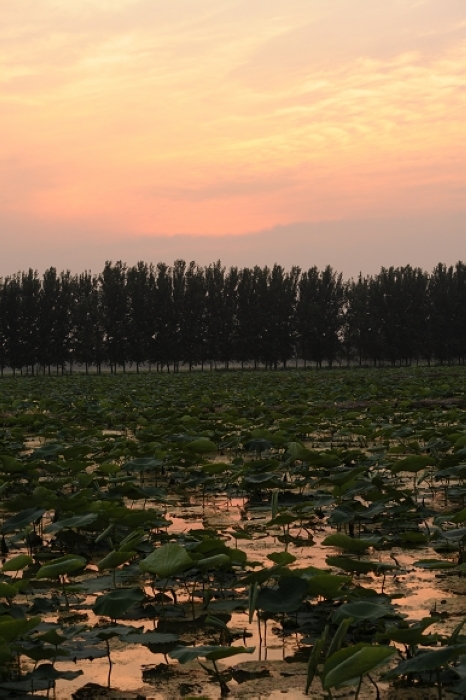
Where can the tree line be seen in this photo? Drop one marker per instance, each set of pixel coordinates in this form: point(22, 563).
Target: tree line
point(165, 317)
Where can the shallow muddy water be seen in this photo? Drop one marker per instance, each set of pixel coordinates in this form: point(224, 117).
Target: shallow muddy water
point(270, 672)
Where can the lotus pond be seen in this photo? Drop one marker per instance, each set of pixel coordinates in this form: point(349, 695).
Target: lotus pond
point(242, 534)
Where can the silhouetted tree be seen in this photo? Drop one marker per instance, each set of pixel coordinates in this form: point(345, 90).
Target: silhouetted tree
point(320, 315)
point(114, 304)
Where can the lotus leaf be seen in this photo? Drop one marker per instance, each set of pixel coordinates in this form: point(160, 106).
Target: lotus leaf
point(21, 561)
point(350, 544)
point(212, 653)
point(363, 610)
point(169, 560)
point(61, 566)
point(346, 666)
point(116, 603)
point(428, 660)
point(413, 463)
point(22, 519)
point(115, 559)
point(286, 597)
point(11, 629)
point(327, 585)
point(73, 521)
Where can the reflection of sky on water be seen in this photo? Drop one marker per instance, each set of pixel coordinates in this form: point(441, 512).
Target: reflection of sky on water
point(417, 588)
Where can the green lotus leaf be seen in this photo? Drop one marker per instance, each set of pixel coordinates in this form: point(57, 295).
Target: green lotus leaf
point(347, 665)
point(428, 660)
point(327, 585)
point(115, 559)
point(350, 544)
point(214, 562)
point(412, 635)
point(286, 597)
point(201, 446)
point(22, 519)
point(166, 561)
point(212, 653)
point(7, 590)
point(61, 566)
point(52, 637)
point(116, 603)
point(353, 565)
point(281, 558)
point(363, 610)
point(17, 563)
point(74, 521)
point(412, 464)
point(151, 637)
point(434, 564)
point(10, 465)
point(11, 629)
point(6, 653)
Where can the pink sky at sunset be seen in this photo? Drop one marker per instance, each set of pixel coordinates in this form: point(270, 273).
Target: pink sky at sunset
point(299, 132)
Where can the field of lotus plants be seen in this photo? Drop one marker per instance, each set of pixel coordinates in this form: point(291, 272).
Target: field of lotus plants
point(243, 534)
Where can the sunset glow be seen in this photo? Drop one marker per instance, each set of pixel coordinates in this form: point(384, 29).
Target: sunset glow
point(130, 119)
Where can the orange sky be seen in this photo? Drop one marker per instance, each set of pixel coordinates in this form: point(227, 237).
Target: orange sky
point(130, 122)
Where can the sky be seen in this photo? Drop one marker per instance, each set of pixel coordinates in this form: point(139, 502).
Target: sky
point(301, 132)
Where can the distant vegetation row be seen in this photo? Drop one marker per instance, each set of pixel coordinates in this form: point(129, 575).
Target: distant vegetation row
point(190, 316)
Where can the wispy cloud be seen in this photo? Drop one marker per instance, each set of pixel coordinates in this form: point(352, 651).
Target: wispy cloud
point(226, 116)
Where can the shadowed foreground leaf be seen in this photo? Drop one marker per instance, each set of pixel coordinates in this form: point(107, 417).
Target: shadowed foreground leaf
point(428, 661)
point(348, 665)
point(117, 603)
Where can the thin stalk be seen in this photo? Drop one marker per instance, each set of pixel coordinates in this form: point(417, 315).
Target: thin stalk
point(107, 642)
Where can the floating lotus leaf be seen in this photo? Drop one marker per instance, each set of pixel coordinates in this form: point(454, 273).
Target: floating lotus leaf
point(434, 564)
